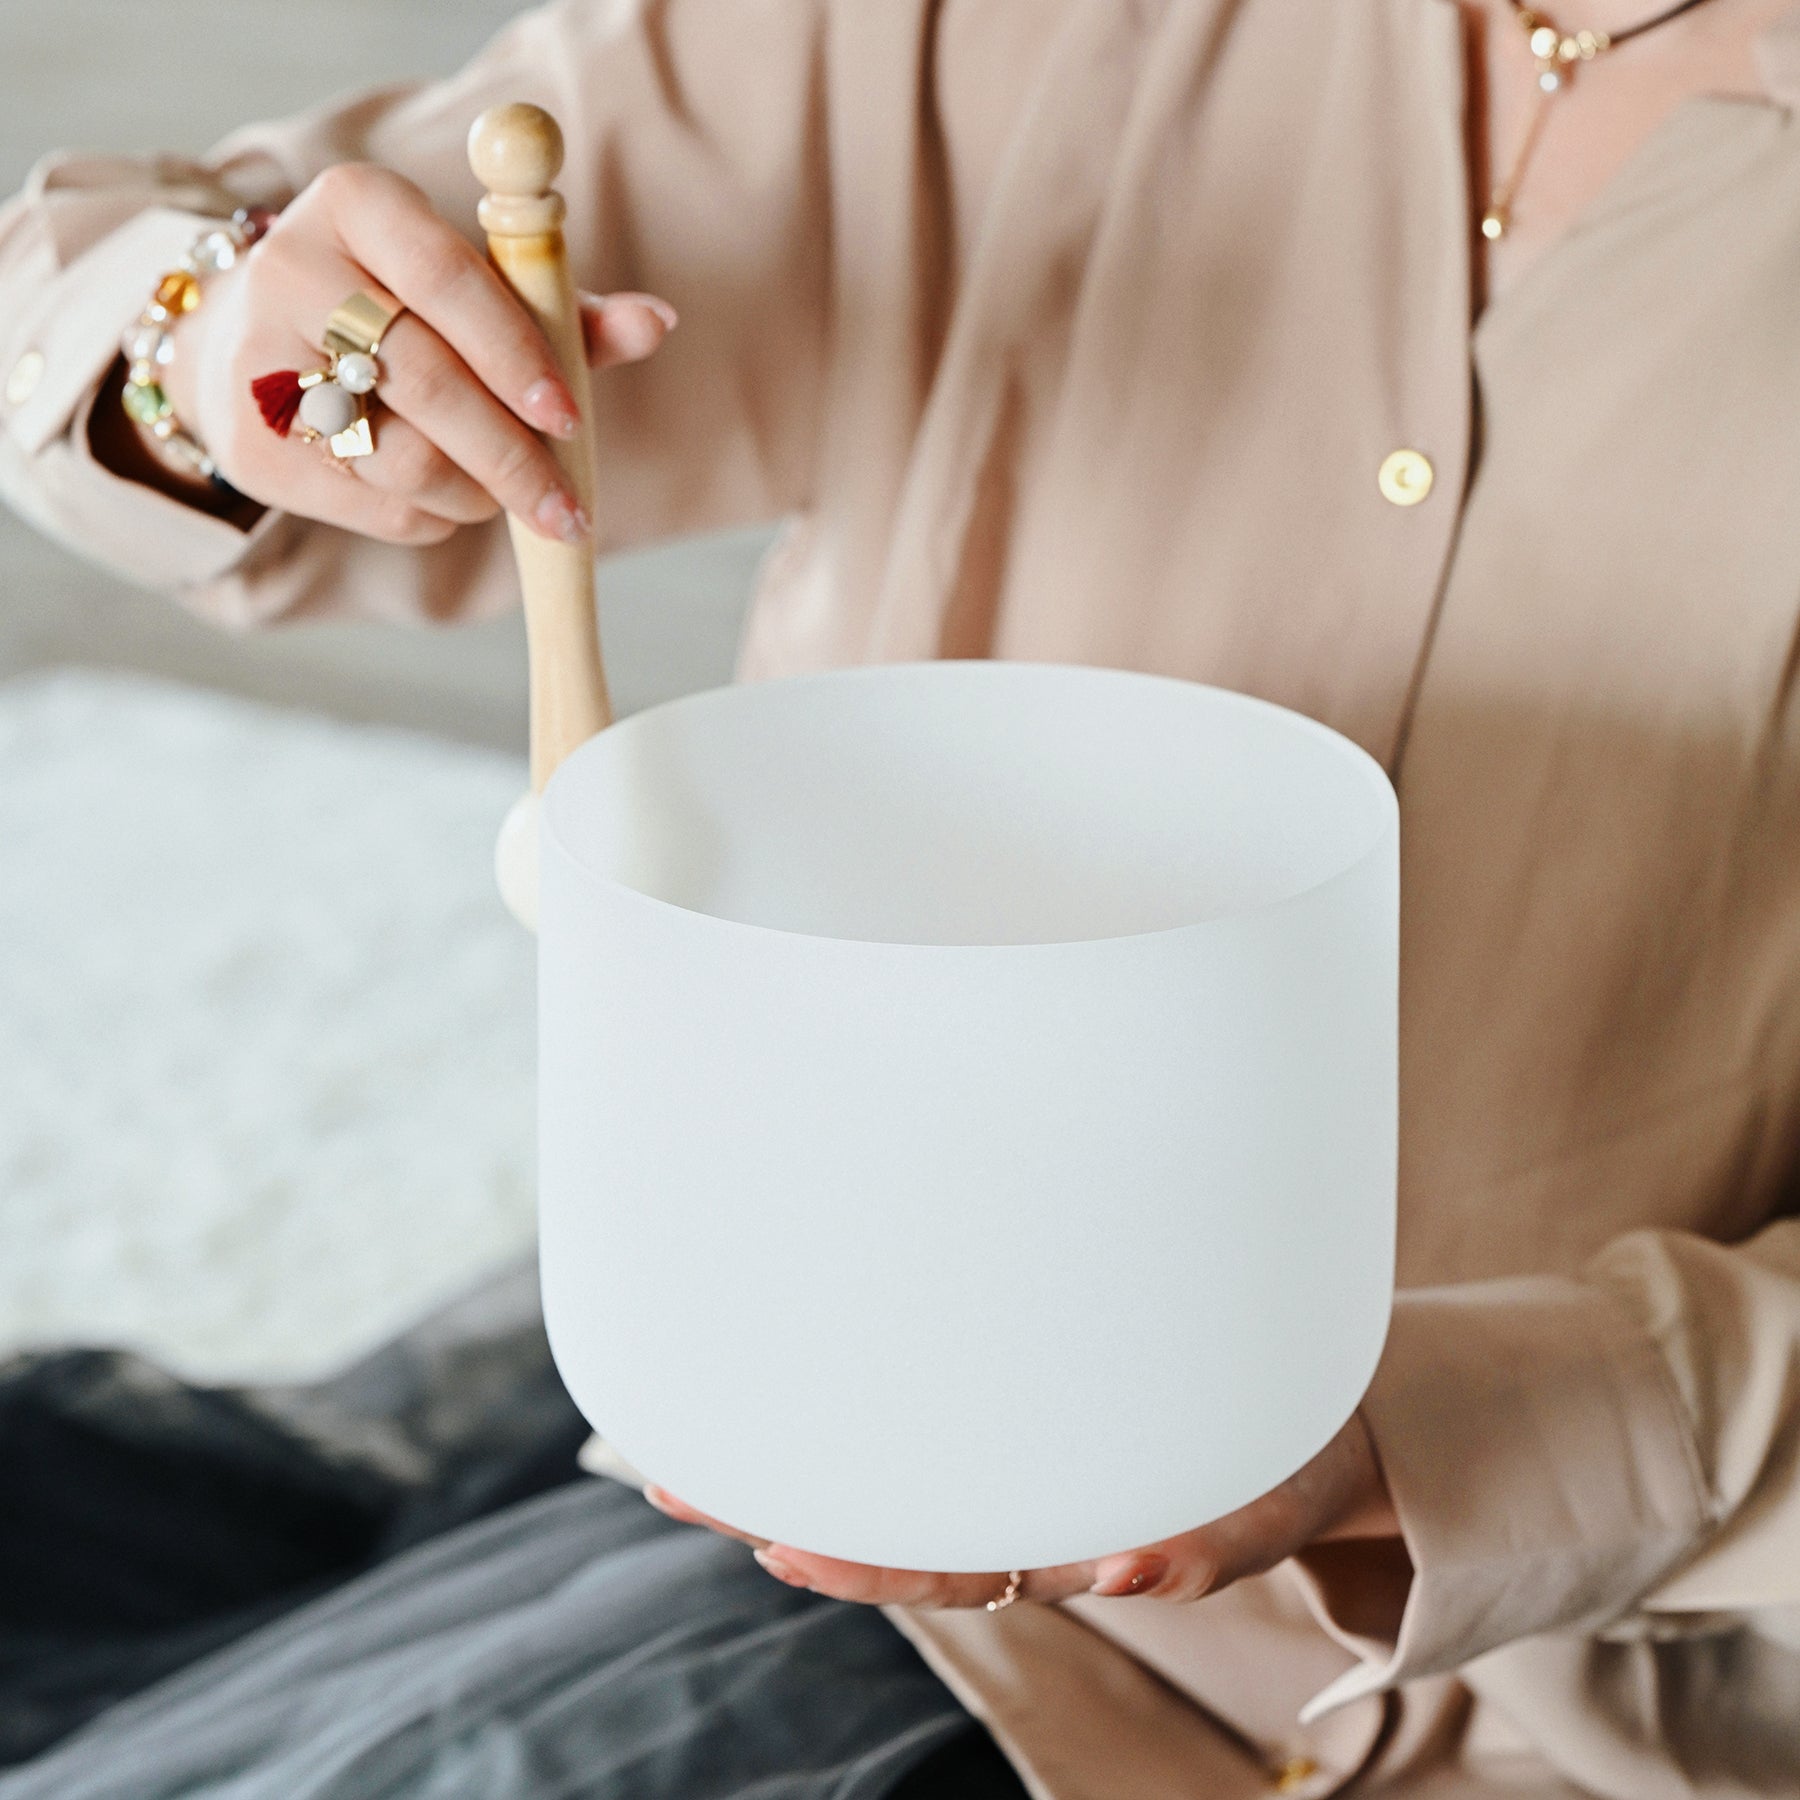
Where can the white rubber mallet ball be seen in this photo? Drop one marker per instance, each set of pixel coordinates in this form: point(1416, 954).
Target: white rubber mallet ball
point(516, 861)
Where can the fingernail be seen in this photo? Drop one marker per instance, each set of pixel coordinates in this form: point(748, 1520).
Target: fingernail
point(558, 516)
point(550, 405)
point(782, 1571)
point(1130, 1575)
point(664, 311)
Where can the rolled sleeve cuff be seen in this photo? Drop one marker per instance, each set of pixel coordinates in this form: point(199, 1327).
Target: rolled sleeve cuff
point(1541, 1467)
point(75, 314)
point(53, 356)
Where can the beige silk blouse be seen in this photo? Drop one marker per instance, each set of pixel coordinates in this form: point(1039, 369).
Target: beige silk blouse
point(1081, 330)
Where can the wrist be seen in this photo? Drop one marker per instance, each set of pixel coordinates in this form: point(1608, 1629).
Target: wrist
point(155, 396)
point(1368, 1509)
point(1359, 1569)
point(134, 453)
point(184, 350)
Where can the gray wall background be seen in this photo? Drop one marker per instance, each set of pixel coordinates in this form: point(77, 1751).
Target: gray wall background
point(177, 75)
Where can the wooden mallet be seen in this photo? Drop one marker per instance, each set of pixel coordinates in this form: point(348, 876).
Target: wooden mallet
point(516, 152)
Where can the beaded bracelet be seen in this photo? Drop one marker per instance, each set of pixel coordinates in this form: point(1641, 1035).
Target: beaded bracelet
point(148, 346)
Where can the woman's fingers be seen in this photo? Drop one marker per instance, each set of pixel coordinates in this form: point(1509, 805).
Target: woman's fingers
point(1339, 1493)
point(465, 362)
point(330, 492)
point(467, 378)
point(386, 224)
point(1183, 1568)
point(665, 1502)
point(1187, 1567)
point(426, 381)
point(872, 1586)
point(624, 328)
point(292, 280)
point(407, 465)
point(1247, 1542)
point(1197, 1563)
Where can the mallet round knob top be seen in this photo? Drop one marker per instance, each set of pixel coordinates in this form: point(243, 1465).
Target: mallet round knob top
point(515, 149)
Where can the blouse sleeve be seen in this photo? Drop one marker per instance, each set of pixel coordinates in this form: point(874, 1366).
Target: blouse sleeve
point(1579, 1455)
point(695, 170)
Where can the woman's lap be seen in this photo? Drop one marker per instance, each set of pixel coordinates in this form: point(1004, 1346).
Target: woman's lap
point(395, 1583)
point(578, 1644)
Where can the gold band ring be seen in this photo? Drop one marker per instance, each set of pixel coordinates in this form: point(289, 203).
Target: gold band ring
point(1008, 1594)
point(358, 324)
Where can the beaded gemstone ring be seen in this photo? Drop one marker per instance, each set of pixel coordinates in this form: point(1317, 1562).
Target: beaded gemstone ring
point(331, 404)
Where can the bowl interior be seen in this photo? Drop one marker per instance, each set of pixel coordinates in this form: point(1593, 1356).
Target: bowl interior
point(968, 803)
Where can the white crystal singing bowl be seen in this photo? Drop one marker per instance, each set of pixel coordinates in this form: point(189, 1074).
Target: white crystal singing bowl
point(968, 1103)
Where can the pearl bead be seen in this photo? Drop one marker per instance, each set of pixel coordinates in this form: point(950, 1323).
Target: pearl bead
point(356, 373)
point(326, 409)
point(215, 252)
point(147, 343)
point(1550, 81)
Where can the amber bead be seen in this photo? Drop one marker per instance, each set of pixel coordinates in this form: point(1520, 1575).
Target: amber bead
point(178, 291)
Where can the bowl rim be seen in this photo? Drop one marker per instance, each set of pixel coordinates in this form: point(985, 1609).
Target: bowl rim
point(1374, 775)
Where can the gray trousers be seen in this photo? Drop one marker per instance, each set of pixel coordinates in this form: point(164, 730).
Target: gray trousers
point(570, 1643)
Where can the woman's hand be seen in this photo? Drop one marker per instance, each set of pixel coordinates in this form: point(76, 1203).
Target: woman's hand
point(1339, 1494)
point(467, 378)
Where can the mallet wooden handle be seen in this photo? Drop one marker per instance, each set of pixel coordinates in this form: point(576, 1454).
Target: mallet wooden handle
point(516, 152)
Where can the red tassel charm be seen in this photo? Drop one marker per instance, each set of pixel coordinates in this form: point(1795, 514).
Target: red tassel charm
point(278, 399)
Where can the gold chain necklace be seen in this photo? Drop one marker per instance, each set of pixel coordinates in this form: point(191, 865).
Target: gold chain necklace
point(1557, 53)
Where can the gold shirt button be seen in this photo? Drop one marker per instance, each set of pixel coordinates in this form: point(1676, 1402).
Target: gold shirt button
point(1404, 478)
point(21, 384)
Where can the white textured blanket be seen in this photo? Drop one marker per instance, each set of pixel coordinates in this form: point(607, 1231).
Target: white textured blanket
point(266, 1061)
